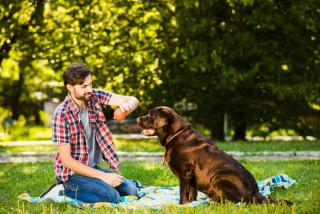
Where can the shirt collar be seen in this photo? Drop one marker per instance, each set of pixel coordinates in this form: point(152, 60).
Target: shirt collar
point(72, 105)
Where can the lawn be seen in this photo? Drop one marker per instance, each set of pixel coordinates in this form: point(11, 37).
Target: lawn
point(36, 177)
point(153, 145)
point(27, 133)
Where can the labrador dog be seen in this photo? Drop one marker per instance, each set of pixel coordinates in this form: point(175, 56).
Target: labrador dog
point(198, 164)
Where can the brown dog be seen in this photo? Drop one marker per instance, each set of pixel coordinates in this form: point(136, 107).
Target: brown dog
point(197, 163)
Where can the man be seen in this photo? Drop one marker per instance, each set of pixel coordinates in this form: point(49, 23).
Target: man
point(79, 129)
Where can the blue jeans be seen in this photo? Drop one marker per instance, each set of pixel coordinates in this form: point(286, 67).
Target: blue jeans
point(92, 190)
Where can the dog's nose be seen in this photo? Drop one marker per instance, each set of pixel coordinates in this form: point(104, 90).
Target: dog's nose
point(138, 119)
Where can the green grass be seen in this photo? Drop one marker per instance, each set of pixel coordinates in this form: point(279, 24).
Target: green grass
point(138, 145)
point(153, 145)
point(38, 148)
point(28, 133)
point(149, 145)
point(36, 177)
point(260, 146)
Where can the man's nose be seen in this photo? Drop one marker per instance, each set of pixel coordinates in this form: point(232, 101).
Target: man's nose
point(89, 89)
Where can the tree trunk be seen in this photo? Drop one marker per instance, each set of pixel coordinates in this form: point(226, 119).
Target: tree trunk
point(217, 134)
point(217, 129)
point(17, 91)
point(240, 131)
point(37, 118)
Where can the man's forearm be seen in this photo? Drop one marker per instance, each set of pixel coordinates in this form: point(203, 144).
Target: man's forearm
point(133, 102)
point(81, 168)
point(126, 103)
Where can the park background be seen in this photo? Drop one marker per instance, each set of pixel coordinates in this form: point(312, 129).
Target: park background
point(236, 69)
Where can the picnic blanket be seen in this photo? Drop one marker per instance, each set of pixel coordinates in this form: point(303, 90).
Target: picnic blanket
point(158, 197)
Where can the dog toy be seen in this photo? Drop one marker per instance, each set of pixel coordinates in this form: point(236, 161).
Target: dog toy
point(118, 114)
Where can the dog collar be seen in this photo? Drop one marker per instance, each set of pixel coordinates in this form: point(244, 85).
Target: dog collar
point(164, 158)
point(176, 134)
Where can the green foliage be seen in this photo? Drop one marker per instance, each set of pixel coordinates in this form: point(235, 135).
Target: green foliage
point(255, 62)
point(246, 60)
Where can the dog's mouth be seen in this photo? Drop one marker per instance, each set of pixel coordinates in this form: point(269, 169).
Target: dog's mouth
point(144, 123)
point(148, 132)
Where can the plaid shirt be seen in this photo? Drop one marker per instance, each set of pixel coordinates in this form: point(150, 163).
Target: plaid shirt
point(67, 128)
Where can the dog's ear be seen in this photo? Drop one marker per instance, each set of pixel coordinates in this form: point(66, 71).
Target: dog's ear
point(160, 121)
point(180, 123)
point(163, 117)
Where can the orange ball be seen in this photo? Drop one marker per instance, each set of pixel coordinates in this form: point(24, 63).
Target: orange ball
point(119, 115)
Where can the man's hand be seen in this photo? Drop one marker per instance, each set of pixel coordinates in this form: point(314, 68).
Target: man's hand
point(111, 178)
point(126, 107)
point(82, 169)
point(125, 103)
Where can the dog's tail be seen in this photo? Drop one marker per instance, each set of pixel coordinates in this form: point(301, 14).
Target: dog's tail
point(260, 199)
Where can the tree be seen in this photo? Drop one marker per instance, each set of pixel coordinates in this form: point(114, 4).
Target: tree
point(238, 58)
point(19, 31)
point(255, 62)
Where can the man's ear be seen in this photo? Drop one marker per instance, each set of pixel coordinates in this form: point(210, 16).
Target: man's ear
point(69, 88)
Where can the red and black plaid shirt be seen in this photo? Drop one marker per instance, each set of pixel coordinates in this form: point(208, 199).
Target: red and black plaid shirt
point(67, 128)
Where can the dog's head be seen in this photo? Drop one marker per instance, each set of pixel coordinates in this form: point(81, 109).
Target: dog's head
point(163, 122)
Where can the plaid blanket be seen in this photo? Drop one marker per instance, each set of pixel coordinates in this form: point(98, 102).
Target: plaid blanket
point(158, 197)
point(270, 184)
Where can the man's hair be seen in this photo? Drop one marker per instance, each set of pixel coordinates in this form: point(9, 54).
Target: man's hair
point(75, 74)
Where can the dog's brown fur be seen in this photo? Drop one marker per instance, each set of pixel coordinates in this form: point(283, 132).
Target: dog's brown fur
point(197, 163)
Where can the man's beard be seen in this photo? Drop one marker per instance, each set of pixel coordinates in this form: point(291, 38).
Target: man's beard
point(84, 97)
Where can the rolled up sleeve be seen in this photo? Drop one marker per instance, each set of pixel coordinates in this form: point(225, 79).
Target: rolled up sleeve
point(60, 130)
point(103, 96)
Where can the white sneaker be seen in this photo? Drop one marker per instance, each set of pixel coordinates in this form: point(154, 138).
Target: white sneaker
point(54, 191)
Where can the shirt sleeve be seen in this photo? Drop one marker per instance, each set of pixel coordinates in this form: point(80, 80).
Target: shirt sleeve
point(60, 130)
point(103, 96)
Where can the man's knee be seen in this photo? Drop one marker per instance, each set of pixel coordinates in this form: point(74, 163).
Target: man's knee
point(89, 189)
point(111, 196)
point(127, 188)
point(132, 189)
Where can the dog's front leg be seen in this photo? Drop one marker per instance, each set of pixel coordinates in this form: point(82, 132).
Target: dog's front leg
point(193, 193)
point(188, 189)
point(184, 189)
